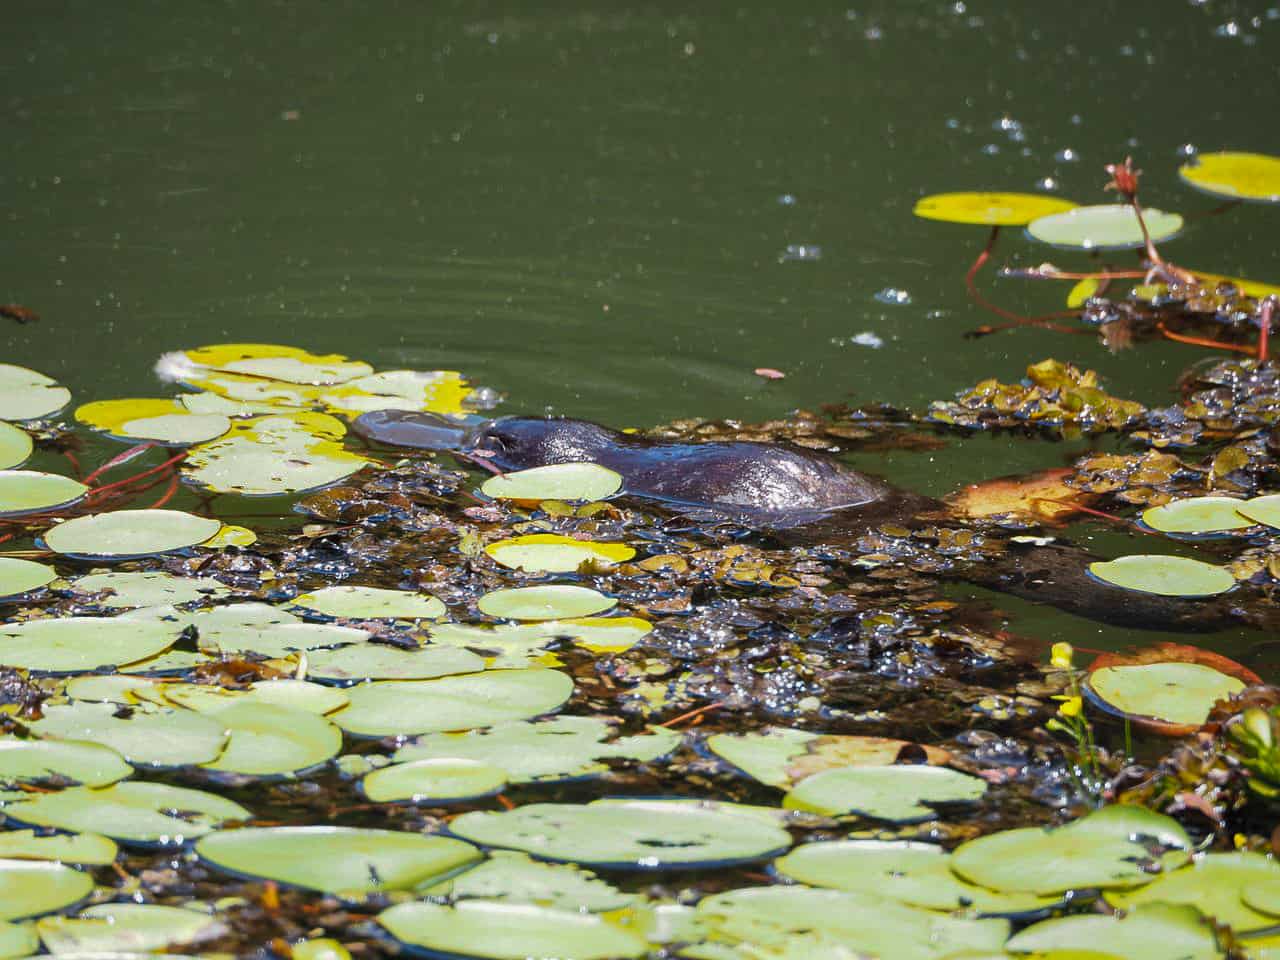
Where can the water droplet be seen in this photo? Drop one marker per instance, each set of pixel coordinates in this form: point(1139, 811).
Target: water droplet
point(787, 200)
point(894, 295)
point(864, 339)
point(1229, 29)
point(801, 251)
point(873, 33)
point(1187, 150)
point(991, 149)
point(958, 7)
point(1066, 155)
point(1047, 183)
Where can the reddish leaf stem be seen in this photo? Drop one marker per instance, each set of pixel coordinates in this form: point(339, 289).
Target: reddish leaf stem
point(1200, 341)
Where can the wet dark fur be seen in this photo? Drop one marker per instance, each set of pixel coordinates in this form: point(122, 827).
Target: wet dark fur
point(797, 496)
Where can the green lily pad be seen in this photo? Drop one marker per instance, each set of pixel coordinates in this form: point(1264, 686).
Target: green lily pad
point(552, 553)
point(30, 888)
point(1155, 931)
point(15, 446)
point(1181, 693)
point(1197, 515)
point(273, 456)
point(773, 918)
point(260, 628)
point(268, 741)
point(27, 395)
point(1166, 576)
point(162, 738)
point(19, 576)
point(91, 849)
point(556, 749)
point(370, 603)
point(552, 602)
point(341, 860)
point(298, 695)
point(127, 927)
point(376, 661)
point(126, 534)
point(439, 391)
point(1215, 884)
point(516, 878)
point(17, 940)
point(1108, 226)
point(917, 874)
point(401, 707)
point(163, 421)
point(509, 931)
point(636, 835)
point(1112, 847)
point(29, 491)
point(557, 481)
point(77, 644)
point(31, 761)
point(150, 589)
point(104, 688)
point(899, 793)
point(1264, 510)
point(148, 813)
point(438, 780)
point(517, 645)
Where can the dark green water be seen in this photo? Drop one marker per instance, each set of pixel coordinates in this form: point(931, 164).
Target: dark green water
point(587, 206)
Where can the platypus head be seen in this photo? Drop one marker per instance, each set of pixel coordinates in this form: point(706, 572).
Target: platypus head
point(516, 443)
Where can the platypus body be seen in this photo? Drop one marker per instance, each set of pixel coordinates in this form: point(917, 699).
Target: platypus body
point(798, 495)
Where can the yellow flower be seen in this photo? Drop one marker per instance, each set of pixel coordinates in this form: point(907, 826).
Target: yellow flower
point(1071, 707)
point(1060, 656)
point(1240, 840)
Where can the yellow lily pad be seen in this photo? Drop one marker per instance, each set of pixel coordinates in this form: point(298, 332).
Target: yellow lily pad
point(437, 391)
point(989, 209)
point(1240, 176)
point(276, 362)
point(164, 421)
point(552, 553)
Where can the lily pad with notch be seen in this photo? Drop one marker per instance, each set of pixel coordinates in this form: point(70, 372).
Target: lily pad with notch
point(129, 534)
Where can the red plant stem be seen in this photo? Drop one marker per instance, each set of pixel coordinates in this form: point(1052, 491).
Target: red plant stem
point(169, 491)
point(694, 713)
point(97, 491)
point(1100, 275)
point(1213, 211)
point(6, 536)
point(1201, 342)
point(74, 461)
point(118, 459)
point(1093, 513)
point(1268, 305)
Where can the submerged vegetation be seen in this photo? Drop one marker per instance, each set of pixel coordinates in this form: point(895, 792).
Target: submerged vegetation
point(532, 715)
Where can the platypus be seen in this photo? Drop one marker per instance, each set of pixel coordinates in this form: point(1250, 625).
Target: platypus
point(793, 494)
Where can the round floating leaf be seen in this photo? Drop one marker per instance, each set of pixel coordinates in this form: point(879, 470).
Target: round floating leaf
point(638, 835)
point(1112, 847)
point(28, 889)
point(552, 553)
point(989, 209)
point(298, 695)
point(376, 661)
point(274, 456)
point(164, 421)
point(515, 645)
point(553, 602)
point(441, 780)
point(557, 749)
point(437, 391)
point(153, 589)
point(515, 878)
point(126, 534)
point(231, 536)
point(168, 663)
point(87, 848)
point(899, 793)
point(1103, 227)
point(22, 576)
point(340, 860)
point(114, 928)
point(1240, 176)
point(17, 940)
point(15, 446)
point(1215, 884)
point(28, 491)
point(1264, 510)
point(1197, 515)
point(30, 761)
point(918, 874)
point(509, 931)
point(163, 738)
point(78, 644)
point(267, 740)
point(276, 362)
point(130, 811)
point(781, 918)
point(765, 755)
point(240, 628)
point(104, 688)
point(370, 603)
point(1166, 576)
point(1157, 931)
point(396, 707)
point(27, 395)
point(1176, 693)
point(556, 481)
